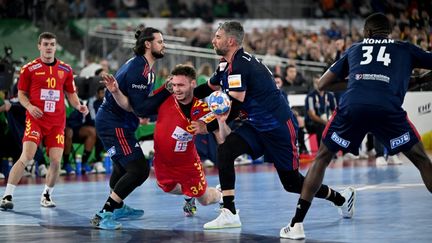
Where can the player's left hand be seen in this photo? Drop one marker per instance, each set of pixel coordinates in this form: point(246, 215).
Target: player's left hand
point(83, 109)
point(199, 127)
point(110, 83)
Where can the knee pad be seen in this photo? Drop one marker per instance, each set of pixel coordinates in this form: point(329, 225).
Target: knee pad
point(292, 181)
point(138, 169)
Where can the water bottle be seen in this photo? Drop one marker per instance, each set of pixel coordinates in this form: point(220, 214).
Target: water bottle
point(78, 164)
point(107, 163)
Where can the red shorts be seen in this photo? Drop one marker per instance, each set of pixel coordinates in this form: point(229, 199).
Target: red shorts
point(53, 136)
point(190, 176)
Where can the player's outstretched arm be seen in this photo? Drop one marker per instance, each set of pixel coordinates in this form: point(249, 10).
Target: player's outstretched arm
point(329, 81)
point(224, 130)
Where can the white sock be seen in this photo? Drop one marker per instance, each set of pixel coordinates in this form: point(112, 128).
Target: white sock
point(48, 189)
point(10, 188)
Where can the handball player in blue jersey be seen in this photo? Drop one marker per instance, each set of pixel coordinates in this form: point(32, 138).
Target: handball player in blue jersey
point(116, 126)
point(269, 127)
point(377, 70)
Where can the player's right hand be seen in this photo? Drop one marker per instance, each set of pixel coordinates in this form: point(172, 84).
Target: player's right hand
point(110, 83)
point(34, 111)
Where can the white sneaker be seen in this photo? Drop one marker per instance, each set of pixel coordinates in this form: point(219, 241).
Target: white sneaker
point(226, 219)
point(42, 170)
point(98, 167)
point(394, 160)
point(380, 161)
point(350, 156)
point(243, 159)
point(348, 208)
point(46, 201)
point(207, 163)
point(295, 233)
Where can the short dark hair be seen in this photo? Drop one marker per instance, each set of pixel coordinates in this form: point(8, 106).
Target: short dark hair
point(234, 29)
point(377, 24)
point(46, 35)
point(184, 70)
point(141, 36)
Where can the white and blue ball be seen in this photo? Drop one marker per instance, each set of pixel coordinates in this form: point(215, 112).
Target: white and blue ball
point(218, 102)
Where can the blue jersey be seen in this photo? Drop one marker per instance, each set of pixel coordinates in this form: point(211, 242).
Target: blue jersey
point(135, 79)
point(264, 104)
point(378, 71)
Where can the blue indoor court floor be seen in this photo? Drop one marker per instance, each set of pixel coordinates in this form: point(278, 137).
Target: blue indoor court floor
point(393, 206)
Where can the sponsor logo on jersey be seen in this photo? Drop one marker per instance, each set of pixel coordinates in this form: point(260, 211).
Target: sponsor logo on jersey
point(399, 141)
point(371, 76)
point(180, 134)
point(39, 73)
point(139, 86)
point(50, 94)
point(234, 81)
point(342, 142)
point(112, 151)
point(34, 67)
point(66, 68)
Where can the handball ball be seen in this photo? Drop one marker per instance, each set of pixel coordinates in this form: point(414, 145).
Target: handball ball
point(219, 102)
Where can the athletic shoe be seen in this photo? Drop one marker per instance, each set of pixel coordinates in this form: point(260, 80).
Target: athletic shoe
point(67, 170)
point(295, 233)
point(207, 163)
point(86, 169)
point(6, 203)
point(189, 207)
point(226, 219)
point(348, 208)
point(46, 201)
point(394, 160)
point(350, 156)
point(42, 170)
point(98, 168)
point(127, 212)
point(104, 220)
point(380, 161)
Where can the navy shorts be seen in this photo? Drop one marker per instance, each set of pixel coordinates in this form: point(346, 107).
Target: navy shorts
point(279, 145)
point(347, 128)
point(120, 144)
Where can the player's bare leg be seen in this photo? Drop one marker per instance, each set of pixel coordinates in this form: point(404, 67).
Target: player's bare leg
point(17, 171)
point(419, 158)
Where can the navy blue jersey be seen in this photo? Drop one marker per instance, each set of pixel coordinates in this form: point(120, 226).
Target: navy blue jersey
point(135, 80)
point(322, 105)
point(265, 106)
point(378, 71)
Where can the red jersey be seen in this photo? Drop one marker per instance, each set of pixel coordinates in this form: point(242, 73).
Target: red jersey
point(173, 137)
point(45, 86)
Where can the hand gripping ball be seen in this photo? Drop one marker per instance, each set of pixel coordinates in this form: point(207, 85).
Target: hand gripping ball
point(219, 102)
